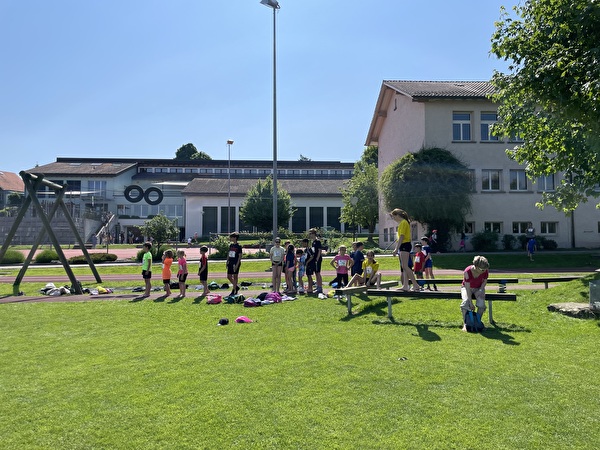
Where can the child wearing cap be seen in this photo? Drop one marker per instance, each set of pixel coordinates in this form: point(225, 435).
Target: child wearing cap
point(474, 280)
point(276, 255)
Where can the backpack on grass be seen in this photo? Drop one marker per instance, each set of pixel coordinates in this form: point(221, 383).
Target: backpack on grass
point(473, 322)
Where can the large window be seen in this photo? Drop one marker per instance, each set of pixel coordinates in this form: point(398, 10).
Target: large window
point(519, 227)
point(316, 216)
point(496, 227)
point(461, 126)
point(546, 183)
point(299, 220)
point(209, 220)
point(225, 216)
point(548, 227)
point(469, 227)
point(488, 119)
point(490, 179)
point(333, 217)
point(518, 180)
point(97, 188)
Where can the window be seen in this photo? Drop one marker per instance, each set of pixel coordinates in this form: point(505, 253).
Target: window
point(161, 170)
point(469, 227)
point(519, 227)
point(316, 216)
point(461, 126)
point(145, 170)
point(307, 172)
point(97, 188)
point(548, 227)
point(322, 172)
point(221, 171)
point(176, 170)
point(488, 119)
point(518, 180)
point(490, 179)
point(515, 137)
point(473, 180)
point(496, 227)
point(73, 188)
point(333, 217)
point(191, 170)
point(546, 183)
point(299, 220)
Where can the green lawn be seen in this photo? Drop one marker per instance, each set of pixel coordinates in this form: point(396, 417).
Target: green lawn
point(154, 375)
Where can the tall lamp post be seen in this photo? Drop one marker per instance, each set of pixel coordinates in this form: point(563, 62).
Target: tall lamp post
point(273, 4)
point(229, 144)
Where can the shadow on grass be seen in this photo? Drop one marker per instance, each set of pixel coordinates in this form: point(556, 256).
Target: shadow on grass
point(377, 307)
point(197, 300)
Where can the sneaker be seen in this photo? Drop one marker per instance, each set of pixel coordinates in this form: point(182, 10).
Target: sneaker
point(301, 291)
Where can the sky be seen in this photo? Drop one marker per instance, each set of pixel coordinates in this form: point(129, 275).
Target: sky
point(141, 78)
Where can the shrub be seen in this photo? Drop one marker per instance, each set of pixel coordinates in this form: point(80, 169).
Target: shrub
point(548, 244)
point(95, 257)
point(221, 245)
point(485, 241)
point(46, 256)
point(509, 241)
point(13, 257)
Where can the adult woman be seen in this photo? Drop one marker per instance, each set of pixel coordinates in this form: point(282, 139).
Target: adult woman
point(403, 248)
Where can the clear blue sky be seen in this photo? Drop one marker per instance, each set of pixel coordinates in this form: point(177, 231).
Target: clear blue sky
point(140, 78)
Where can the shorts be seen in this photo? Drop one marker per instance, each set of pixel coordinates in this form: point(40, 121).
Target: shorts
point(311, 269)
point(406, 247)
point(467, 302)
point(318, 265)
point(428, 264)
point(203, 275)
point(370, 283)
point(301, 271)
point(146, 274)
point(276, 264)
point(182, 277)
point(167, 281)
point(231, 269)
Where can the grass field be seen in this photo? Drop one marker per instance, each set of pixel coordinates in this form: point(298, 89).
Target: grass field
point(155, 375)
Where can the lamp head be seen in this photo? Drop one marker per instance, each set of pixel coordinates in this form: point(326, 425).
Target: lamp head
point(270, 3)
point(229, 141)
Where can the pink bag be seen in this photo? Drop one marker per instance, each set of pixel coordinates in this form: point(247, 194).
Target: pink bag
point(213, 299)
point(275, 297)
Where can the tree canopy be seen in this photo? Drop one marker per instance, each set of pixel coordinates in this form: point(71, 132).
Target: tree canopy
point(371, 155)
point(189, 152)
point(361, 205)
point(257, 209)
point(161, 229)
point(432, 186)
point(551, 96)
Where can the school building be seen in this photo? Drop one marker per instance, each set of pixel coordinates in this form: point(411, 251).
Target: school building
point(457, 116)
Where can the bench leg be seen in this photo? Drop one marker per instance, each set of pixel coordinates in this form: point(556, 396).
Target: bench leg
point(349, 302)
point(490, 312)
point(389, 300)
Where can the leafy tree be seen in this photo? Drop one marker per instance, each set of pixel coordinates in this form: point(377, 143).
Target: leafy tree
point(189, 152)
point(304, 158)
point(371, 155)
point(15, 199)
point(360, 198)
point(432, 186)
point(161, 229)
point(551, 95)
point(257, 209)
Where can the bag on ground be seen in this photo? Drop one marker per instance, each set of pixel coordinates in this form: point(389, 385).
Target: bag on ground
point(473, 322)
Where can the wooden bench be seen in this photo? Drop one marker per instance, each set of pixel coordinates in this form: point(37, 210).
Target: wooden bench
point(547, 280)
point(363, 289)
point(460, 280)
point(434, 294)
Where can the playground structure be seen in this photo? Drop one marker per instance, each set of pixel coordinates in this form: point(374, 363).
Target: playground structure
point(32, 184)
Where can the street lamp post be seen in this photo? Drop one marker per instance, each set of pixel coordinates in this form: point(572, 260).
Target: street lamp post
point(354, 202)
point(229, 143)
point(275, 6)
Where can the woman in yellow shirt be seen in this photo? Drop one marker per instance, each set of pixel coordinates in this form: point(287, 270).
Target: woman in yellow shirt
point(403, 248)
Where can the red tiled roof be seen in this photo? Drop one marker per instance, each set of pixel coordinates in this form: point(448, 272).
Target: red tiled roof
point(10, 181)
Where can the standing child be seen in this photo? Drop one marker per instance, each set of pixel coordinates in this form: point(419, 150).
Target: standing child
point(419, 263)
point(310, 265)
point(276, 254)
point(357, 258)
point(403, 248)
point(301, 265)
point(428, 268)
point(203, 269)
point(341, 262)
point(182, 273)
point(234, 260)
point(147, 268)
point(290, 268)
point(474, 280)
point(317, 250)
point(167, 261)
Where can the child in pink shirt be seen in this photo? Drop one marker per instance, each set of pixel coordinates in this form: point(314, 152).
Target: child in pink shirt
point(342, 263)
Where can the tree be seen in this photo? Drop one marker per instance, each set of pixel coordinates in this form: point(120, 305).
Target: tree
point(551, 96)
point(360, 198)
point(161, 229)
point(432, 186)
point(257, 209)
point(15, 199)
point(189, 152)
point(304, 158)
point(371, 155)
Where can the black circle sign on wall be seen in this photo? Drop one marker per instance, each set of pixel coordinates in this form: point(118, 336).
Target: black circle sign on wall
point(151, 192)
point(138, 193)
point(134, 194)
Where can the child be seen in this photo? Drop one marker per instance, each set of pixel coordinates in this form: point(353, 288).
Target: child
point(309, 264)
point(234, 260)
point(357, 258)
point(317, 260)
point(203, 269)
point(370, 273)
point(276, 255)
point(428, 268)
point(182, 273)
point(147, 268)
point(301, 259)
point(167, 261)
point(290, 267)
point(419, 263)
point(474, 280)
point(531, 248)
point(341, 262)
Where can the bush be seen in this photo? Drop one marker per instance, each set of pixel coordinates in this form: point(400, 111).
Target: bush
point(221, 245)
point(509, 241)
point(46, 256)
point(548, 244)
point(95, 257)
point(13, 257)
point(485, 241)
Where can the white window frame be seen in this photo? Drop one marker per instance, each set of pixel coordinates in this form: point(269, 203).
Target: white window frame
point(486, 124)
point(549, 228)
point(461, 126)
point(519, 177)
point(544, 181)
point(520, 227)
point(496, 227)
point(489, 174)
